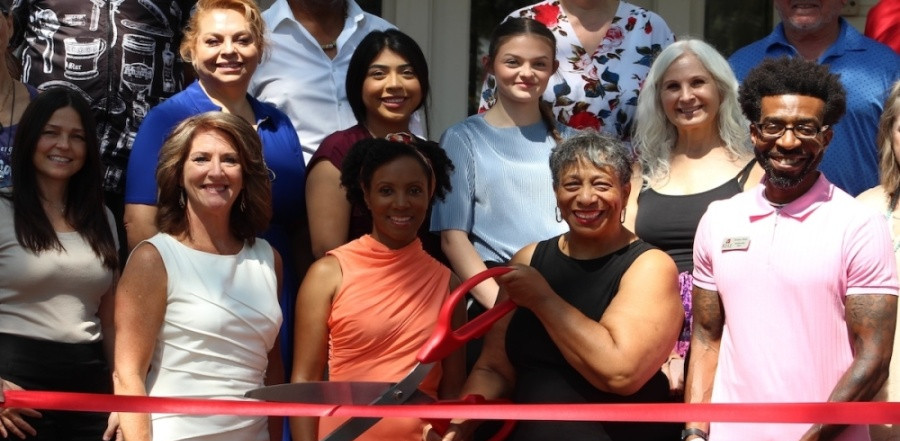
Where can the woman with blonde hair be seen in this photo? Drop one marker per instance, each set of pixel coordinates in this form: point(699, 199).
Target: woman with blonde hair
point(225, 41)
point(693, 143)
point(884, 198)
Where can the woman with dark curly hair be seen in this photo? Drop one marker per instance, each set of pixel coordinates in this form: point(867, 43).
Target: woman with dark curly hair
point(366, 307)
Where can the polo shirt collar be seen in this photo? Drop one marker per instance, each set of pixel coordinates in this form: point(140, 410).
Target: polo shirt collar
point(799, 208)
point(848, 40)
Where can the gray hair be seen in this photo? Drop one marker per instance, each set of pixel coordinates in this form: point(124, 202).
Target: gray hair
point(655, 137)
point(600, 149)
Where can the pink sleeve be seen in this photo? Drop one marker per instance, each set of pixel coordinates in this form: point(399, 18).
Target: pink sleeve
point(703, 250)
point(871, 265)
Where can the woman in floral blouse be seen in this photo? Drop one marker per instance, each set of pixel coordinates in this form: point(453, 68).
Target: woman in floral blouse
point(605, 49)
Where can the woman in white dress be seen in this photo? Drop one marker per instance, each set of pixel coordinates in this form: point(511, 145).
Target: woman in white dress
point(197, 311)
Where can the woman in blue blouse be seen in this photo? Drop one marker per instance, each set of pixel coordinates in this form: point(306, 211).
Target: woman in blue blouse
point(225, 42)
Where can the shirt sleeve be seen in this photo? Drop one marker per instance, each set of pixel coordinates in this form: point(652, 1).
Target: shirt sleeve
point(140, 181)
point(871, 264)
point(703, 249)
point(456, 211)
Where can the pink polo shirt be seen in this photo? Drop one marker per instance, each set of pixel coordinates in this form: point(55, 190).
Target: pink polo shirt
point(782, 276)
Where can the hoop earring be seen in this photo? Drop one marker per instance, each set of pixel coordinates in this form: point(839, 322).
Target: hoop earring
point(181, 202)
point(622, 217)
point(243, 205)
point(558, 215)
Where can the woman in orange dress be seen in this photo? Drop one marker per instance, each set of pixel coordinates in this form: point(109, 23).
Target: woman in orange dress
point(367, 307)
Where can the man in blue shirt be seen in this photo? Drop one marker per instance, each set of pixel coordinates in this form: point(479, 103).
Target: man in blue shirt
point(814, 30)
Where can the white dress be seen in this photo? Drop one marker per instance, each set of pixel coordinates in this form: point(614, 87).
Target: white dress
point(222, 317)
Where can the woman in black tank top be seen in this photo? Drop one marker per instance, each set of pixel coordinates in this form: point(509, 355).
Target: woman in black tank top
point(598, 308)
point(693, 144)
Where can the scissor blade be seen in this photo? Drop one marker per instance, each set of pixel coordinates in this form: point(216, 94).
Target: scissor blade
point(322, 392)
point(400, 393)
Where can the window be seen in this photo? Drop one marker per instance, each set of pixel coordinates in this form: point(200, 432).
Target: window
point(733, 25)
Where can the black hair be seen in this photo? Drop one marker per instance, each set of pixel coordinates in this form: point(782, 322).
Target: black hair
point(368, 49)
point(84, 209)
point(514, 27)
point(792, 76)
point(369, 154)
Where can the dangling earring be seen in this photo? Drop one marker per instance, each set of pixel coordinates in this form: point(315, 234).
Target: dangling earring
point(181, 199)
point(622, 217)
point(243, 202)
point(558, 215)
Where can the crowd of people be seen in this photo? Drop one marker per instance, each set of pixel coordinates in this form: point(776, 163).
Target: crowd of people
point(199, 198)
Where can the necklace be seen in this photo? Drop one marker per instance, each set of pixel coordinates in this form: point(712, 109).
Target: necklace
point(329, 46)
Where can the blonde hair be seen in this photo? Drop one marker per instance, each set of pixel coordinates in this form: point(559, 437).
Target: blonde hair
point(248, 8)
point(888, 169)
point(655, 137)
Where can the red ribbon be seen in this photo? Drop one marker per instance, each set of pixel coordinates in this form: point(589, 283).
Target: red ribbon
point(829, 413)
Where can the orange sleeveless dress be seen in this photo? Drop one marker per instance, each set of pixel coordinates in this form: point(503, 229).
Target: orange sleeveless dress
point(385, 309)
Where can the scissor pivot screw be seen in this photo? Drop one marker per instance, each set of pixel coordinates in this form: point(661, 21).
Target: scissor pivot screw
point(398, 395)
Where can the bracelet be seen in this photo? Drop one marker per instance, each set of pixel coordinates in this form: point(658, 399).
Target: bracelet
point(693, 431)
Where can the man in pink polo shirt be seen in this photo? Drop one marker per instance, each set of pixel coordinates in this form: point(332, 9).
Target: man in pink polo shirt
point(795, 286)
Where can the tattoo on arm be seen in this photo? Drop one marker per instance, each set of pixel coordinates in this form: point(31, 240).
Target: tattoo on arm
point(709, 316)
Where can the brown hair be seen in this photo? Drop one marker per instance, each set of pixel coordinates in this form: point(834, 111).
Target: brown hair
point(888, 169)
point(514, 27)
point(251, 213)
point(248, 8)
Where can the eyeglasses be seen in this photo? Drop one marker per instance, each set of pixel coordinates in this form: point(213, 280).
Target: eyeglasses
point(770, 131)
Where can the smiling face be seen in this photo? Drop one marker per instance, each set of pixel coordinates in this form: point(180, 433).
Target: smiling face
point(689, 95)
point(398, 198)
point(809, 15)
point(212, 175)
point(591, 198)
point(391, 92)
point(522, 67)
point(225, 53)
point(61, 148)
point(790, 162)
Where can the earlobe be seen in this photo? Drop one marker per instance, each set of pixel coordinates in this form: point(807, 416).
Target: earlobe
point(826, 137)
point(487, 65)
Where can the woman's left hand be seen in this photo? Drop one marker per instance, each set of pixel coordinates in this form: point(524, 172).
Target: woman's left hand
point(112, 428)
point(11, 419)
point(673, 369)
point(525, 286)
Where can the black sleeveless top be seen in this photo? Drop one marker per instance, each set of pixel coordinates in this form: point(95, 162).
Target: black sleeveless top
point(544, 376)
point(669, 222)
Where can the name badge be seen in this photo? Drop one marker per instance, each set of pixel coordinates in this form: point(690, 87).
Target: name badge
point(735, 243)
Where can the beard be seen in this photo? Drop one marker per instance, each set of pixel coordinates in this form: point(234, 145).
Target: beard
point(782, 181)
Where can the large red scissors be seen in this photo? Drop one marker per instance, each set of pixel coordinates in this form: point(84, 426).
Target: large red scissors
point(442, 342)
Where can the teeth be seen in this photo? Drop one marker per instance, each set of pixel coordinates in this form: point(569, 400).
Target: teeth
point(587, 214)
point(55, 158)
point(789, 161)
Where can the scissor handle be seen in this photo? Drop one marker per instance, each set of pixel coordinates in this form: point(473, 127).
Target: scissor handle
point(444, 339)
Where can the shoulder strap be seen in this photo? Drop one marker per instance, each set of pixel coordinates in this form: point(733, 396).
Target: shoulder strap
point(744, 174)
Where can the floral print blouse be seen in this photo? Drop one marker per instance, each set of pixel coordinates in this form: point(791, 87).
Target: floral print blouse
point(598, 89)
